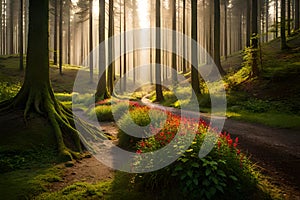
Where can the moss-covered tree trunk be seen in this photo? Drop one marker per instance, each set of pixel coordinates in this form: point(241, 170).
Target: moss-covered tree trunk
point(36, 94)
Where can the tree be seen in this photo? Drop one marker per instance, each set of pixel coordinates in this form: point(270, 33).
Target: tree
point(110, 75)
point(21, 66)
point(217, 45)
point(102, 92)
point(1, 27)
point(184, 64)
point(55, 31)
point(60, 35)
point(11, 27)
point(36, 94)
point(254, 39)
point(289, 17)
point(282, 26)
point(174, 57)
point(248, 22)
point(194, 71)
point(91, 38)
point(297, 14)
point(158, 88)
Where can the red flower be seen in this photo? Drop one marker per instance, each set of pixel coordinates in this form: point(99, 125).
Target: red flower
point(139, 151)
point(236, 140)
point(229, 142)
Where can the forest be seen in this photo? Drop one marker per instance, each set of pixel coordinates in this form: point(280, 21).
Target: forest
point(164, 99)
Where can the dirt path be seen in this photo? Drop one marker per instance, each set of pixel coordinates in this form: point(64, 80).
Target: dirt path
point(276, 151)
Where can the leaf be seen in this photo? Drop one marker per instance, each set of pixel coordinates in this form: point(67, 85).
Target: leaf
point(205, 182)
point(207, 172)
point(215, 180)
point(178, 168)
point(233, 178)
point(194, 164)
point(189, 150)
point(220, 188)
point(190, 173)
point(212, 191)
point(221, 173)
point(195, 180)
point(184, 160)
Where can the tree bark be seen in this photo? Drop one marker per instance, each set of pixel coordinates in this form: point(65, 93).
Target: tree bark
point(110, 48)
point(102, 92)
point(194, 71)
point(184, 63)
point(248, 21)
point(21, 65)
point(297, 15)
point(217, 35)
point(174, 41)
point(91, 39)
point(60, 36)
point(55, 31)
point(255, 70)
point(158, 88)
point(282, 25)
point(11, 27)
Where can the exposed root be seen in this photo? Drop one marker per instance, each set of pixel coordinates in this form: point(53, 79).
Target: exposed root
point(60, 118)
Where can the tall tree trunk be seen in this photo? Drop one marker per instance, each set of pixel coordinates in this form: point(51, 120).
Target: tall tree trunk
point(225, 30)
point(289, 17)
point(194, 71)
point(11, 27)
point(91, 39)
point(69, 32)
point(60, 36)
point(217, 35)
point(282, 25)
point(110, 47)
point(248, 21)
point(255, 70)
point(297, 15)
point(276, 18)
point(36, 94)
point(102, 92)
point(267, 20)
point(158, 88)
point(125, 49)
point(174, 41)
point(55, 31)
point(184, 63)
point(21, 66)
point(1, 30)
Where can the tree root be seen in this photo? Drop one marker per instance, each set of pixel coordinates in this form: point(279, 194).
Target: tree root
point(61, 119)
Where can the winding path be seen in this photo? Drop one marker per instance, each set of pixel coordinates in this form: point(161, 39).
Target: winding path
point(276, 151)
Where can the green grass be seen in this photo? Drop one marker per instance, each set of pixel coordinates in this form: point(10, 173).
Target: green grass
point(121, 188)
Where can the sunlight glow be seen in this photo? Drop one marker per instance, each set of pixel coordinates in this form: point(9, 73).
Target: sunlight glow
point(143, 12)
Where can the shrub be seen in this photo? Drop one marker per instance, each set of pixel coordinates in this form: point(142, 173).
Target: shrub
point(140, 116)
point(224, 171)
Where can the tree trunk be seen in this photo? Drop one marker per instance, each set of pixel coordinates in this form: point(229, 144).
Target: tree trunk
point(91, 39)
point(11, 27)
point(102, 92)
point(125, 43)
point(36, 94)
point(297, 14)
point(225, 30)
point(174, 41)
point(1, 33)
point(194, 71)
point(217, 35)
point(267, 20)
point(276, 18)
point(255, 70)
point(110, 47)
point(184, 63)
point(158, 88)
point(282, 26)
point(69, 33)
point(289, 17)
point(21, 65)
point(248, 21)
point(60, 36)
point(55, 31)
